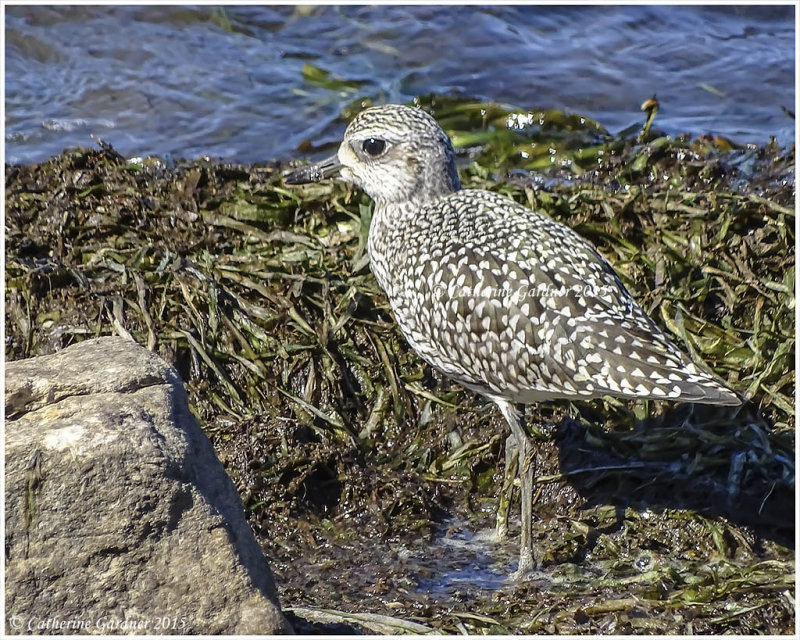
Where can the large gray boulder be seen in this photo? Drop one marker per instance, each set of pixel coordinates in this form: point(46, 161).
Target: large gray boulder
point(119, 517)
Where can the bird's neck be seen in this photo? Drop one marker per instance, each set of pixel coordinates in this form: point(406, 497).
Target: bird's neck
point(435, 183)
point(428, 188)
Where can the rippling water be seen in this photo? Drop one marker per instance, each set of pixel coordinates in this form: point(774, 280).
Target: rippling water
point(228, 82)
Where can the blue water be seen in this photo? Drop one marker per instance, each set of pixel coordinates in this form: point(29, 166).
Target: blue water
point(228, 82)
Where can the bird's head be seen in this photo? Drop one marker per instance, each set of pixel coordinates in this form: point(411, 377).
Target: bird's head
point(395, 153)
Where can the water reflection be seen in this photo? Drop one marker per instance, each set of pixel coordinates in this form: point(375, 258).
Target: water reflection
point(228, 81)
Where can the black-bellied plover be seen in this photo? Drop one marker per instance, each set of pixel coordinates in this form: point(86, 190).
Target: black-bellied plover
point(500, 298)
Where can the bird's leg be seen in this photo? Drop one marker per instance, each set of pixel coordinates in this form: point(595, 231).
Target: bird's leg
point(512, 453)
point(515, 415)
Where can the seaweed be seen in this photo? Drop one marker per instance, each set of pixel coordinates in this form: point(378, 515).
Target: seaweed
point(363, 472)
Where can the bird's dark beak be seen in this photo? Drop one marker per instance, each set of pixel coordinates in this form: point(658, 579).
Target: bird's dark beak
point(328, 168)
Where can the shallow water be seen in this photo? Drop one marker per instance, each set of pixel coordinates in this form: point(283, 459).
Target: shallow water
point(229, 82)
point(465, 560)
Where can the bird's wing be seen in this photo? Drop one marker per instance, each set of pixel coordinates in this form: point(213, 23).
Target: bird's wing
point(542, 312)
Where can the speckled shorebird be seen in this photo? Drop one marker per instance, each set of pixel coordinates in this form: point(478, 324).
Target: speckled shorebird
point(500, 298)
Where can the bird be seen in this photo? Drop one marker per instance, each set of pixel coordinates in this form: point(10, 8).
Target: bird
point(501, 298)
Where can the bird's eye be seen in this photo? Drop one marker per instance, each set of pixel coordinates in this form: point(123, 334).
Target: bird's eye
point(373, 146)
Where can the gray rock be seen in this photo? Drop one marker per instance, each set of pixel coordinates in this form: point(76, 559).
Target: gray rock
point(119, 517)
